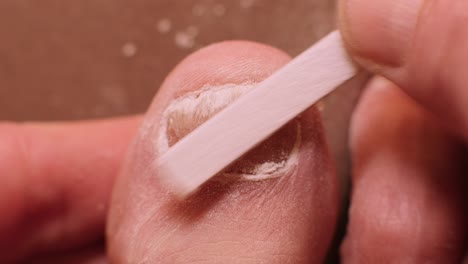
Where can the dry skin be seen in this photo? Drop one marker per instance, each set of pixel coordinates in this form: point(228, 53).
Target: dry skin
point(272, 158)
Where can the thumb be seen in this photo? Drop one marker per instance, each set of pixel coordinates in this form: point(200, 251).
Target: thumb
point(418, 44)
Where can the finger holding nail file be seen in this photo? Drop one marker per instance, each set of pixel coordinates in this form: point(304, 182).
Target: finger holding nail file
point(255, 116)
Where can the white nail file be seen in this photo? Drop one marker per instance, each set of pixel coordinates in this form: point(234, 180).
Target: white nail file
point(255, 116)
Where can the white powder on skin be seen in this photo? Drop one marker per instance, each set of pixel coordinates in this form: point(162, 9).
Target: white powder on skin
point(186, 113)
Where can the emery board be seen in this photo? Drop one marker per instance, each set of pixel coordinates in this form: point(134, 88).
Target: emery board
point(256, 115)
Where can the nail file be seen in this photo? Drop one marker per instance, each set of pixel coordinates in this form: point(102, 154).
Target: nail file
point(255, 116)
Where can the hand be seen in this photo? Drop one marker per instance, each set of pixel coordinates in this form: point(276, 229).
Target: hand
point(407, 202)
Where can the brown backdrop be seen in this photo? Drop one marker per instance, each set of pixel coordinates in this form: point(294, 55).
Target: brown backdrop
point(64, 59)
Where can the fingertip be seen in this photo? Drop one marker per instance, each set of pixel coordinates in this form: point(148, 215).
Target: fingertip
point(407, 202)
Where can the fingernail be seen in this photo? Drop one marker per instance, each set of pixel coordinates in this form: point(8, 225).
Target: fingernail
point(380, 31)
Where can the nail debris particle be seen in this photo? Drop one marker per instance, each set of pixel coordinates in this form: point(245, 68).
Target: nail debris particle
point(247, 3)
point(164, 25)
point(184, 40)
point(129, 49)
point(219, 10)
point(198, 10)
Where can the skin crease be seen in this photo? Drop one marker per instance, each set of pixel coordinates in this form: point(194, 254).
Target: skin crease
point(285, 220)
point(408, 186)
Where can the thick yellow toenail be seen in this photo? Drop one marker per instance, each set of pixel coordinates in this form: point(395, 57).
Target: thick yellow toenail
point(272, 158)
